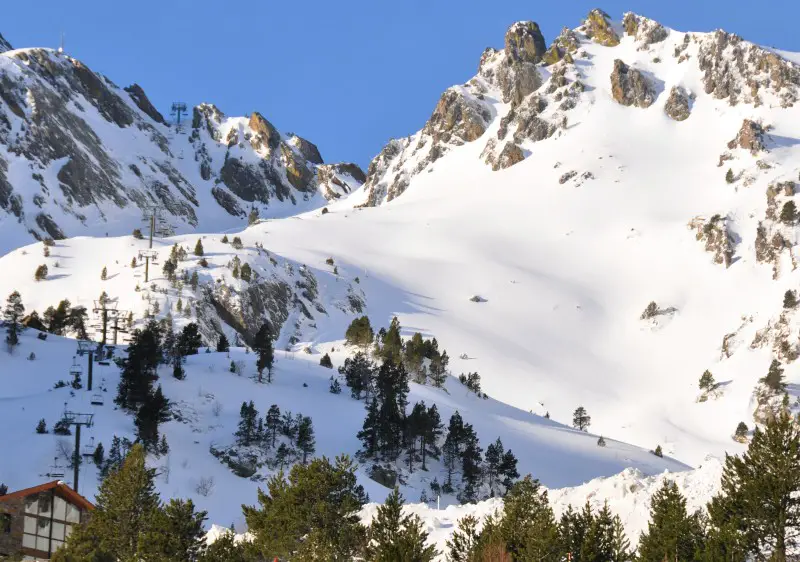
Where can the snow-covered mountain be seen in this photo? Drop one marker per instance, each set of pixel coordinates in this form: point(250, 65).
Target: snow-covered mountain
point(79, 155)
point(596, 221)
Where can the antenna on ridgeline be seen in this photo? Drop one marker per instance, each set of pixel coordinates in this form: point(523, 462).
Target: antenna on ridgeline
point(61, 45)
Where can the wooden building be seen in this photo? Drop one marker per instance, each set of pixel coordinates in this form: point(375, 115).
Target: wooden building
point(36, 521)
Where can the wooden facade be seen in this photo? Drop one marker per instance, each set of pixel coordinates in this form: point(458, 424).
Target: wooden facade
point(36, 521)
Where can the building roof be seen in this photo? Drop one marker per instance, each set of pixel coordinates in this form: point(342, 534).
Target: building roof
point(64, 491)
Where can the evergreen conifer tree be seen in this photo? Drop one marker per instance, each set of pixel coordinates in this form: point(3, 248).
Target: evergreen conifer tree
point(394, 537)
point(99, 456)
point(263, 348)
point(360, 333)
point(306, 441)
point(175, 535)
point(198, 248)
point(154, 411)
point(139, 367)
point(671, 533)
point(222, 344)
point(471, 469)
point(774, 378)
point(581, 419)
point(248, 423)
point(359, 375)
point(335, 387)
point(463, 543)
point(273, 422)
point(707, 381)
point(790, 299)
point(190, 340)
point(325, 361)
point(12, 315)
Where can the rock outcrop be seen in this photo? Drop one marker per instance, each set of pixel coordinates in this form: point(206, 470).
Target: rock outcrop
point(630, 87)
point(457, 118)
point(750, 137)
point(739, 71)
point(562, 48)
point(644, 30)
point(598, 27)
point(4, 45)
point(677, 106)
point(142, 102)
point(524, 48)
point(336, 180)
point(718, 239)
point(307, 149)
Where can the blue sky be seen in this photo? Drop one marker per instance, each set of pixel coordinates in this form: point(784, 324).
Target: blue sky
point(347, 75)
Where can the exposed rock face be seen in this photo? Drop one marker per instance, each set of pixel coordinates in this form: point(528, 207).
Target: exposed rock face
point(307, 149)
point(563, 47)
point(340, 179)
point(644, 30)
point(677, 105)
point(750, 137)
point(525, 42)
point(143, 103)
point(598, 27)
point(737, 70)
point(524, 48)
point(718, 239)
point(265, 135)
point(630, 87)
point(4, 45)
point(297, 172)
point(457, 119)
point(509, 155)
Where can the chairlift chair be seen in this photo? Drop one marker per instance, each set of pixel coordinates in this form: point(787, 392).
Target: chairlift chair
point(88, 449)
point(97, 400)
point(56, 470)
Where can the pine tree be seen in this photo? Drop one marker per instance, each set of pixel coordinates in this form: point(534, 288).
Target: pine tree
point(12, 315)
point(175, 535)
point(263, 348)
point(581, 419)
point(360, 333)
point(326, 361)
point(394, 537)
point(658, 451)
point(414, 429)
point(707, 382)
point(306, 441)
point(359, 375)
point(741, 431)
point(198, 248)
point(222, 344)
point(790, 299)
point(528, 527)
point(41, 273)
point(194, 280)
point(224, 239)
point(671, 533)
point(41, 427)
point(453, 446)
point(99, 456)
point(252, 218)
point(126, 506)
point(463, 543)
point(471, 469)
point(77, 321)
point(139, 367)
point(190, 340)
point(508, 470)
point(620, 545)
point(432, 432)
point(248, 422)
point(601, 442)
point(178, 371)
point(104, 274)
point(392, 343)
point(273, 422)
point(335, 387)
point(438, 370)
point(311, 516)
point(598, 545)
point(493, 457)
point(236, 243)
point(154, 411)
point(774, 378)
point(246, 273)
point(369, 432)
point(226, 549)
point(391, 390)
point(573, 529)
point(758, 507)
point(729, 176)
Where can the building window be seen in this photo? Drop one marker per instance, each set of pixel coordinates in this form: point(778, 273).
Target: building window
point(5, 523)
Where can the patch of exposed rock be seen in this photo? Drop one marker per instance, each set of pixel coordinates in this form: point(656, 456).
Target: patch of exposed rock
point(509, 155)
point(598, 27)
point(718, 239)
point(4, 45)
point(562, 48)
point(142, 102)
point(630, 87)
point(517, 75)
point(340, 179)
point(644, 30)
point(308, 149)
point(265, 135)
point(750, 137)
point(737, 70)
point(457, 118)
point(677, 106)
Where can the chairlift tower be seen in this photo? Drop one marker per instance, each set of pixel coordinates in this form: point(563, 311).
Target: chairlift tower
point(178, 109)
point(77, 420)
point(87, 347)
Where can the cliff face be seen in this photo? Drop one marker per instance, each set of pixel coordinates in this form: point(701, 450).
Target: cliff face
point(79, 155)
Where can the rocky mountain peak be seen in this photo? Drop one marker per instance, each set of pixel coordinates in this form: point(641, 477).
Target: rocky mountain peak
point(4, 45)
point(525, 42)
point(630, 87)
point(600, 29)
point(142, 102)
point(644, 30)
point(264, 132)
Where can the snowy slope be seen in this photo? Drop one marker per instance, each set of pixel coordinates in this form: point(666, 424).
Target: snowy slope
point(81, 156)
point(600, 209)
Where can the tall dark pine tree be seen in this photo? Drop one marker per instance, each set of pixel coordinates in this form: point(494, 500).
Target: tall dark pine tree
point(359, 375)
point(453, 446)
point(414, 430)
point(175, 535)
point(139, 367)
point(672, 534)
point(263, 347)
point(774, 378)
point(222, 344)
point(493, 458)
point(77, 321)
point(12, 315)
point(392, 343)
point(273, 424)
point(471, 469)
point(758, 508)
point(391, 390)
point(306, 441)
point(581, 419)
point(432, 432)
point(248, 424)
point(153, 412)
point(190, 340)
point(369, 432)
point(439, 366)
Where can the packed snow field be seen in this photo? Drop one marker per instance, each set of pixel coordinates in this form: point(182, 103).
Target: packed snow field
point(536, 276)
